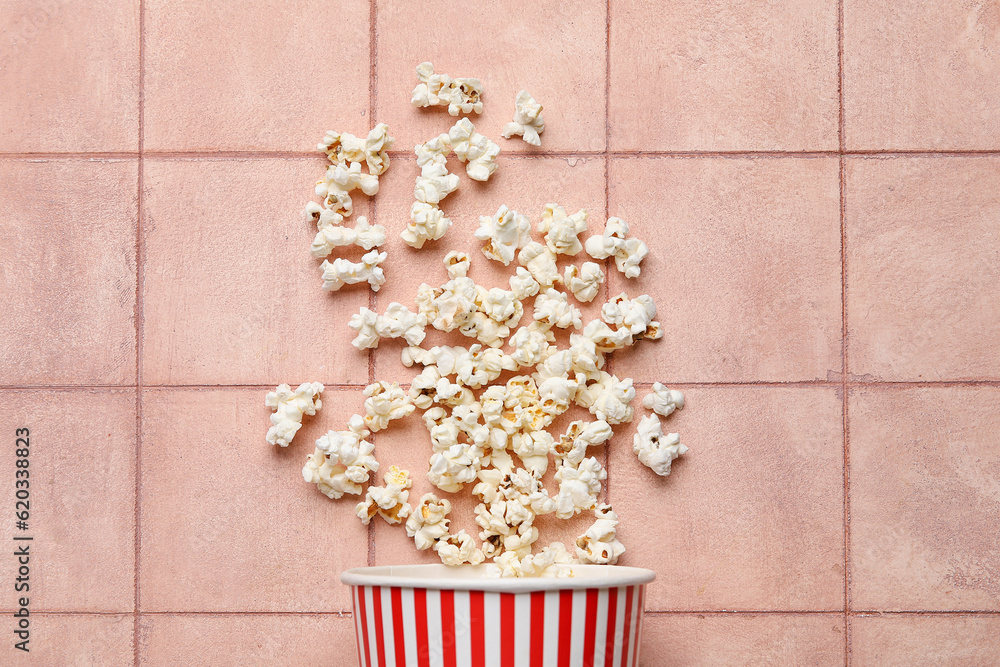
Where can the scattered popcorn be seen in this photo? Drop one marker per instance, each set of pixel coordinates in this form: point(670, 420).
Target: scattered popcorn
point(628, 253)
point(663, 401)
point(504, 232)
point(656, 451)
point(459, 95)
point(528, 122)
point(427, 223)
point(429, 521)
point(491, 433)
point(345, 272)
point(584, 281)
point(389, 501)
point(599, 544)
point(561, 230)
point(289, 407)
point(474, 148)
point(385, 401)
point(365, 235)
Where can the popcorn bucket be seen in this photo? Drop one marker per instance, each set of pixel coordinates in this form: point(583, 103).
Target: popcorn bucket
point(439, 616)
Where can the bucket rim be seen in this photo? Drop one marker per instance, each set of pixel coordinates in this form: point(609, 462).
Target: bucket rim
point(473, 578)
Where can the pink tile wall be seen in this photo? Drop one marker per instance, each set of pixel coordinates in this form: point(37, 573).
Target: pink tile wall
point(817, 183)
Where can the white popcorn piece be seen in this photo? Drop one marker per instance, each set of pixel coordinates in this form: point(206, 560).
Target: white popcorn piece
point(504, 233)
point(663, 401)
point(530, 344)
point(599, 545)
point(635, 315)
point(656, 451)
point(561, 230)
point(433, 150)
point(389, 500)
point(587, 360)
point(459, 549)
point(578, 487)
point(628, 252)
point(478, 366)
point(385, 402)
point(399, 322)
point(454, 467)
point(365, 235)
point(528, 122)
point(541, 263)
point(373, 150)
point(435, 182)
point(342, 272)
point(523, 284)
point(553, 309)
point(364, 322)
point(289, 407)
point(460, 95)
point(342, 461)
point(457, 264)
point(476, 149)
point(502, 306)
point(533, 448)
point(427, 223)
point(572, 446)
point(450, 306)
point(429, 521)
point(605, 338)
point(556, 394)
point(584, 281)
point(322, 216)
point(609, 399)
point(339, 181)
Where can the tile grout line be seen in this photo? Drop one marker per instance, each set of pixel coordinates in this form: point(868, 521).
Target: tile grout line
point(841, 144)
point(333, 386)
point(607, 207)
point(372, 296)
point(404, 155)
point(139, 277)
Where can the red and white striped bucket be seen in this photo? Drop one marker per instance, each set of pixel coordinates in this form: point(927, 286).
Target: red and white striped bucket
point(436, 616)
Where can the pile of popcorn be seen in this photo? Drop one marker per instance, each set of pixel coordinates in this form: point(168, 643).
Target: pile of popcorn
point(486, 432)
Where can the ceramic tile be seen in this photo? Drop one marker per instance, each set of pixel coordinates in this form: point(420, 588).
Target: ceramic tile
point(70, 76)
point(69, 289)
point(924, 492)
point(71, 639)
point(218, 641)
point(260, 75)
point(232, 294)
point(228, 524)
point(752, 516)
point(554, 50)
point(923, 277)
point(744, 266)
point(778, 639)
point(81, 504)
point(915, 75)
point(949, 641)
point(713, 76)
